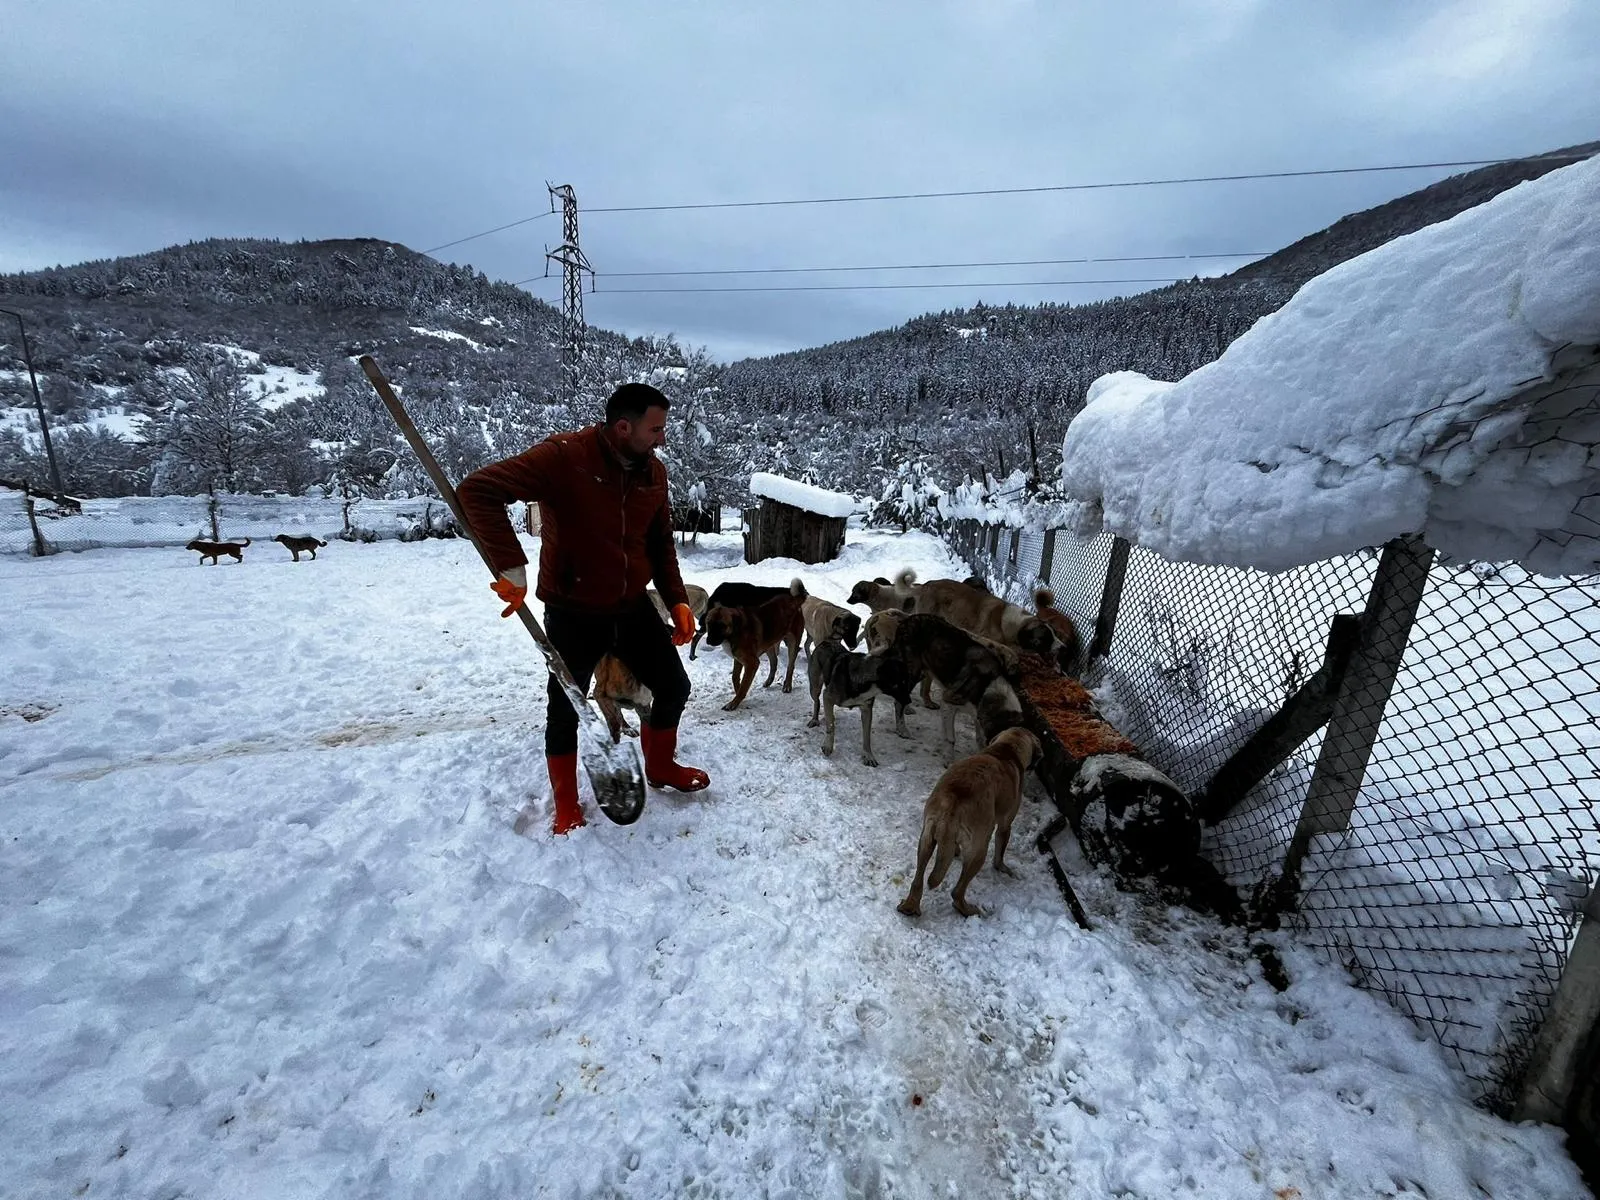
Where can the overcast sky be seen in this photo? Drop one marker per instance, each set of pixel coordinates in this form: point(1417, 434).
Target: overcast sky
point(125, 127)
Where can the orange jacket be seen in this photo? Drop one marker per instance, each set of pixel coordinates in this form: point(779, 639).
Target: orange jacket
point(605, 527)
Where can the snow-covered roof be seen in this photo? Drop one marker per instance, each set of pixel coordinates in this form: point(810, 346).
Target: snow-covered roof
point(802, 495)
point(1405, 391)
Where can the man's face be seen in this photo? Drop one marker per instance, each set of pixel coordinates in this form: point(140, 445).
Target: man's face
point(639, 439)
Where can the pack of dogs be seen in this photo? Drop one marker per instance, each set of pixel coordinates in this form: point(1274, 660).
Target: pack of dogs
point(950, 636)
point(214, 550)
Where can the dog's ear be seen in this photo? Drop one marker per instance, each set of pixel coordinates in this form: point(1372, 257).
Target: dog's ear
point(1036, 636)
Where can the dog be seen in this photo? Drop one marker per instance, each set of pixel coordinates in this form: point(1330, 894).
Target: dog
point(841, 679)
point(750, 633)
point(966, 669)
point(215, 550)
point(880, 633)
point(994, 618)
point(879, 594)
point(697, 604)
point(616, 688)
point(827, 622)
point(975, 798)
point(296, 544)
point(734, 594)
point(1069, 646)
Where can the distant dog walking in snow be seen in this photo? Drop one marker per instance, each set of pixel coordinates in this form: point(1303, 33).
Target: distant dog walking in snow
point(297, 544)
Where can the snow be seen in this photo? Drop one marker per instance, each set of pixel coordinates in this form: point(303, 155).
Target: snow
point(802, 495)
point(147, 521)
point(268, 933)
point(448, 335)
point(1396, 393)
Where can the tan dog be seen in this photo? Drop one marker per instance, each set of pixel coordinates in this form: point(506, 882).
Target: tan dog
point(616, 688)
point(750, 633)
point(697, 602)
point(827, 622)
point(1069, 645)
point(976, 798)
point(880, 595)
point(294, 545)
point(986, 615)
point(215, 550)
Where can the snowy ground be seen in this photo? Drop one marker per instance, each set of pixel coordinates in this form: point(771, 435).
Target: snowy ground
point(266, 932)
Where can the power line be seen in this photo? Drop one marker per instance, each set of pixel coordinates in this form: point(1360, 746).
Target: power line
point(885, 287)
point(1016, 191)
point(1027, 262)
point(1066, 187)
point(471, 237)
point(1021, 262)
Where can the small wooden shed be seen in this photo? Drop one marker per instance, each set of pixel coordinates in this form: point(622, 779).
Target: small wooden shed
point(795, 520)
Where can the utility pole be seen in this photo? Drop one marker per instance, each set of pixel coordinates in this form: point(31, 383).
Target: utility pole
point(573, 265)
point(44, 425)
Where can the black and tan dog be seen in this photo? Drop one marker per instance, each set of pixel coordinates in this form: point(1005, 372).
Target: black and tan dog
point(215, 550)
point(842, 679)
point(971, 674)
point(734, 594)
point(978, 797)
point(294, 545)
point(751, 633)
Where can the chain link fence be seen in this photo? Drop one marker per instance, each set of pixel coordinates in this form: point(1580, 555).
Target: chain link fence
point(1439, 818)
point(36, 524)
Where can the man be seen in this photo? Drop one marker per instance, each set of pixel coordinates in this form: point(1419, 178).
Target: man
point(607, 532)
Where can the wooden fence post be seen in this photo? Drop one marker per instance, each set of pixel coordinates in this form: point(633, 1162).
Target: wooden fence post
point(1569, 1027)
point(1391, 611)
point(1105, 625)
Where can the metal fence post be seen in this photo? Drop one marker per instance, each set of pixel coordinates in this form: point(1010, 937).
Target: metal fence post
point(1047, 557)
point(1391, 610)
point(1105, 625)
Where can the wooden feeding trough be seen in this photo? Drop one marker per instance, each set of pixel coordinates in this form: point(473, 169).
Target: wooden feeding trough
point(1124, 811)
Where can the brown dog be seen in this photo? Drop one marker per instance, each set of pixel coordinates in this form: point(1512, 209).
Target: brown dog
point(979, 612)
point(295, 544)
point(215, 550)
point(976, 797)
point(616, 688)
point(750, 633)
point(1069, 646)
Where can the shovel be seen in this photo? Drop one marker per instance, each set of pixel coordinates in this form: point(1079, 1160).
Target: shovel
point(614, 769)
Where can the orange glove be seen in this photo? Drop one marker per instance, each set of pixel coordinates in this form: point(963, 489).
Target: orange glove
point(512, 587)
point(682, 625)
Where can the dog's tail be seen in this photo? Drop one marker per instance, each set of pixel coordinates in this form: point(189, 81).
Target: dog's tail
point(246, 542)
point(797, 587)
point(1043, 597)
point(906, 578)
point(319, 542)
point(944, 851)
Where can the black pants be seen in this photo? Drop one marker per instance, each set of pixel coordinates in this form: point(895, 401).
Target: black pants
point(639, 638)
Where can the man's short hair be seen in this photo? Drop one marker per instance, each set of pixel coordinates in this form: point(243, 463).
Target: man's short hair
point(630, 400)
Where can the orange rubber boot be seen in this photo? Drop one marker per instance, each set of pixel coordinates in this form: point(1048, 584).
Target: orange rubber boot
point(564, 788)
point(660, 768)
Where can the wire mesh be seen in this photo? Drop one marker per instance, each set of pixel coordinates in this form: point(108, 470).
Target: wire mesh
point(1456, 888)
